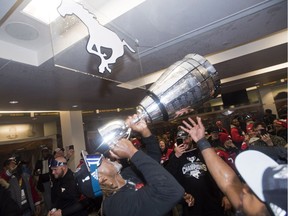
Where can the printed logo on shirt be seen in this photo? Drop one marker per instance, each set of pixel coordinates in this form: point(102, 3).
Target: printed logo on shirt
point(62, 190)
point(195, 168)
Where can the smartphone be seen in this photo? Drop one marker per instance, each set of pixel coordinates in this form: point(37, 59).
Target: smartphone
point(263, 132)
point(179, 141)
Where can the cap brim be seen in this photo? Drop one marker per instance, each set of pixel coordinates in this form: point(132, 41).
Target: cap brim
point(251, 165)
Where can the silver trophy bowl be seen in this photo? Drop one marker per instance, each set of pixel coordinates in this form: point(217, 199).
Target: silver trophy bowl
point(184, 86)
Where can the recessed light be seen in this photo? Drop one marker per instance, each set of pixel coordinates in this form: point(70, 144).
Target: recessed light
point(75, 106)
point(13, 102)
point(46, 11)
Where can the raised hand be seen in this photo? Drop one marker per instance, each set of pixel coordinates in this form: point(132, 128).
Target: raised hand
point(196, 130)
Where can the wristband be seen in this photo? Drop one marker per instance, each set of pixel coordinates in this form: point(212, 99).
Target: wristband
point(203, 144)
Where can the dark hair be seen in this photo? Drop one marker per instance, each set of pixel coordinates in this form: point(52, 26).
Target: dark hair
point(257, 123)
point(212, 129)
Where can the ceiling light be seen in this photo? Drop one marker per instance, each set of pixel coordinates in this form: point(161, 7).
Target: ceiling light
point(43, 11)
point(13, 102)
point(256, 72)
point(251, 88)
point(75, 106)
point(46, 11)
point(110, 10)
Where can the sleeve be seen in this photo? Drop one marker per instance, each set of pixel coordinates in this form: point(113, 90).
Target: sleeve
point(73, 209)
point(38, 166)
point(173, 165)
point(152, 147)
point(236, 137)
point(278, 141)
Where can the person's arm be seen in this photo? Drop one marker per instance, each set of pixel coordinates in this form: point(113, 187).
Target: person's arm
point(152, 147)
point(224, 176)
point(38, 168)
point(148, 139)
point(73, 209)
point(174, 161)
point(236, 137)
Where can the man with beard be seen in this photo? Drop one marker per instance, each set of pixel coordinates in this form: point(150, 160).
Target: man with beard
point(64, 193)
point(188, 167)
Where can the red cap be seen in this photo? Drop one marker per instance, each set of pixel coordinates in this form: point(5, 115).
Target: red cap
point(282, 122)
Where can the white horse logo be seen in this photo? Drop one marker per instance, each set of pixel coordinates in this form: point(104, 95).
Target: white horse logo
point(99, 36)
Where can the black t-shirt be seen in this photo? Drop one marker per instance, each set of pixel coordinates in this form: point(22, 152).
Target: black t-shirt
point(65, 196)
point(192, 173)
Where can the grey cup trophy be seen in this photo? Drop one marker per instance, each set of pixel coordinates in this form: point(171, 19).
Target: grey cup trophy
point(185, 85)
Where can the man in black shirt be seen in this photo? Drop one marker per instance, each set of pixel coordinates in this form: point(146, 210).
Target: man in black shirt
point(64, 193)
point(188, 167)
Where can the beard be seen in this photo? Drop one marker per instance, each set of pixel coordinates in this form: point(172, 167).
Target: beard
point(60, 175)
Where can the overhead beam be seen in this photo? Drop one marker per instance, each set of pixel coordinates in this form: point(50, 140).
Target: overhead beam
point(245, 49)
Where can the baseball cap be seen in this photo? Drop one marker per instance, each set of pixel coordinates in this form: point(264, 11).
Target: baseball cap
point(266, 178)
point(45, 148)
point(182, 134)
point(282, 122)
point(58, 149)
point(87, 175)
point(55, 163)
point(13, 159)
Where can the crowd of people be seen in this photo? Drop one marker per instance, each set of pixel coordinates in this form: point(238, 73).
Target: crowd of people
point(201, 171)
point(188, 165)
